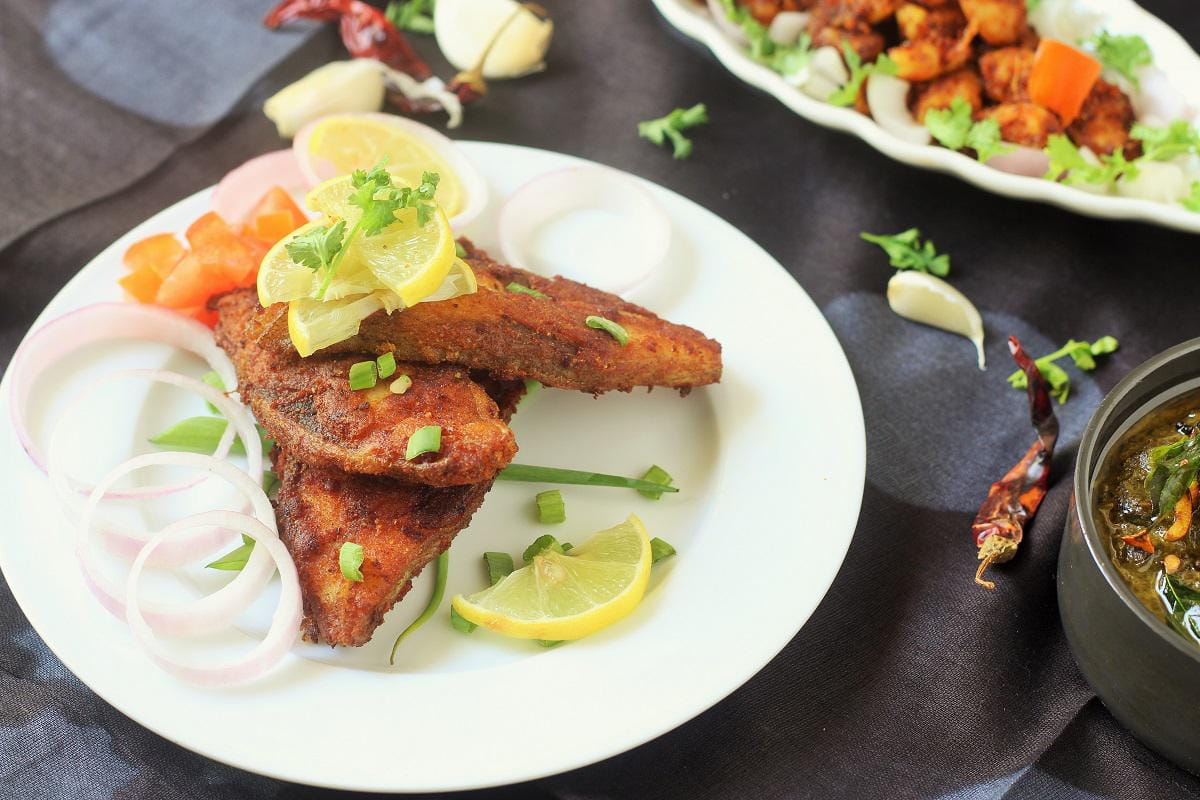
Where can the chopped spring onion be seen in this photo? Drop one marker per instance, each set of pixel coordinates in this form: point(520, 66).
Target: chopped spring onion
point(655, 474)
point(386, 364)
point(202, 435)
point(499, 566)
point(613, 329)
point(362, 375)
point(213, 380)
point(459, 250)
point(549, 642)
point(461, 623)
point(532, 474)
point(660, 550)
point(519, 289)
point(235, 559)
point(551, 508)
point(350, 559)
point(401, 384)
point(424, 440)
point(435, 600)
point(540, 545)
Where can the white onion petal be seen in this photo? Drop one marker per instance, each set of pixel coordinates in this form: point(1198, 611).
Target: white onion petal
point(887, 98)
point(727, 25)
point(237, 193)
point(1022, 161)
point(787, 27)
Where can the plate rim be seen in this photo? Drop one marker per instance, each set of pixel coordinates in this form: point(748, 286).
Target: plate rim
point(694, 22)
point(666, 723)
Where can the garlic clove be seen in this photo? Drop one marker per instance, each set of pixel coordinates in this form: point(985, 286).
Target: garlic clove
point(337, 87)
point(925, 298)
point(887, 98)
point(464, 28)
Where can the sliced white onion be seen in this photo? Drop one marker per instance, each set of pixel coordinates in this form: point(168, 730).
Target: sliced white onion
point(887, 98)
point(727, 25)
point(432, 88)
point(1156, 180)
point(827, 62)
point(285, 622)
point(1156, 100)
point(475, 188)
point(817, 86)
point(210, 613)
point(645, 226)
point(787, 27)
point(104, 322)
point(240, 189)
point(1022, 161)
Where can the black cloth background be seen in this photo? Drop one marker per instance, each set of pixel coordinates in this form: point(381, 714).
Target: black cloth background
point(908, 680)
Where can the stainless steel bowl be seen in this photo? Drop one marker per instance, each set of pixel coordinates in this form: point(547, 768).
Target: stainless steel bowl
point(1144, 672)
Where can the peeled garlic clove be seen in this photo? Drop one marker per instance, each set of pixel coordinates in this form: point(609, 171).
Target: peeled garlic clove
point(335, 88)
point(887, 98)
point(928, 299)
point(464, 28)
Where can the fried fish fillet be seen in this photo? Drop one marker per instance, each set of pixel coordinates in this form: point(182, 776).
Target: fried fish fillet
point(309, 409)
point(401, 528)
point(514, 335)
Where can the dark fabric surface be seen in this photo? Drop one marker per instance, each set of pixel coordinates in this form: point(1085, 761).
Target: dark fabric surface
point(908, 680)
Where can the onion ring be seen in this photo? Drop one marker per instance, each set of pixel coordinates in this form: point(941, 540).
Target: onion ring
point(239, 191)
point(285, 623)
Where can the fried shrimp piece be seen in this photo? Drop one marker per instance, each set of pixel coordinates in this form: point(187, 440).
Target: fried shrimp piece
point(835, 23)
point(1103, 122)
point(918, 22)
point(937, 41)
point(1023, 123)
point(998, 21)
point(1006, 74)
point(941, 92)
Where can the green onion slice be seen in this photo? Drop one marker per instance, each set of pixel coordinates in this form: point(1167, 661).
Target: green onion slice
point(655, 474)
point(551, 508)
point(459, 250)
point(435, 600)
point(203, 434)
point(350, 559)
point(613, 329)
point(659, 550)
point(386, 364)
point(362, 375)
point(401, 385)
point(424, 440)
point(499, 566)
point(461, 623)
point(540, 545)
point(519, 289)
point(532, 474)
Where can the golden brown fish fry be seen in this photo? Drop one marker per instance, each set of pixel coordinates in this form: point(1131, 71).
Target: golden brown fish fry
point(309, 409)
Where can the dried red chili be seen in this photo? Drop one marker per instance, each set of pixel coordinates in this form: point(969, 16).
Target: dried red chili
point(1014, 499)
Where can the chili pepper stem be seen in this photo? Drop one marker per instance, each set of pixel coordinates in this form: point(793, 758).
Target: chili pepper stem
point(473, 77)
point(994, 550)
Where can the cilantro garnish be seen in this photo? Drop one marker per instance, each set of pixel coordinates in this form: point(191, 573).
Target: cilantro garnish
point(1192, 201)
point(786, 59)
point(955, 129)
point(1163, 144)
point(672, 126)
point(1065, 157)
point(322, 249)
point(1082, 353)
point(905, 251)
point(415, 15)
point(859, 72)
point(1123, 54)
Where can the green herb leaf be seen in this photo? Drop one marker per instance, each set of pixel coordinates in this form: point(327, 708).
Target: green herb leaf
point(435, 600)
point(1163, 144)
point(362, 375)
point(1082, 353)
point(461, 623)
point(459, 250)
point(519, 289)
point(984, 139)
point(1032, 5)
point(350, 559)
point(270, 481)
point(671, 128)
point(235, 559)
point(548, 642)
point(1181, 603)
point(847, 94)
point(1123, 54)
point(424, 440)
point(950, 126)
point(1068, 163)
point(203, 434)
point(532, 474)
point(415, 15)
point(551, 508)
point(1192, 201)
point(317, 248)
point(611, 328)
point(660, 549)
point(386, 365)
point(905, 251)
point(655, 474)
point(786, 59)
point(540, 545)
point(499, 566)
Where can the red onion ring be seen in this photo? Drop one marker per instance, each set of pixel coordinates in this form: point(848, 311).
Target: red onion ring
point(1021, 161)
point(285, 623)
point(240, 189)
point(100, 323)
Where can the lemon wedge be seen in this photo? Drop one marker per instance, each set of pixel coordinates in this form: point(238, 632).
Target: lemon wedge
point(568, 596)
point(351, 142)
point(928, 299)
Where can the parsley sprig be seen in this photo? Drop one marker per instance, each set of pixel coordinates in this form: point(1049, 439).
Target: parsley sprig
point(1162, 144)
point(1122, 54)
point(955, 129)
point(1082, 353)
point(786, 59)
point(323, 248)
point(906, 251)
point(1066, 158)
point(415, 15)
point(859, 72)
point(672, 126)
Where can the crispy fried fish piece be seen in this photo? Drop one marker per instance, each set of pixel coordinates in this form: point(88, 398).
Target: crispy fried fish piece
point(513, 335)
point(401, 528)
point(309, 409)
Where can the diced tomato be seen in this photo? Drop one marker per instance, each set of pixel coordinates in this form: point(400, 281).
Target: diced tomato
point(192, 282)
point(1061, 78)
point(142, 284)
point(270, 228)
point(276, 200)
point(214, 242)
point(160, 253)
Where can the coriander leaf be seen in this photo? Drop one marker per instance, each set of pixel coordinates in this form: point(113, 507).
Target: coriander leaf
point(1081, 353)
point(950, 126)
point(787, 59)
point(415, 15)
point(350, 559)
point(1163, 144)
point(1192, 201)
point(671, 127)
point(317, 248)
point(905, 251)
point(1104, 345)
point(1123, 54)
point(984, 139)
point(848, 92)
point(1069, 163)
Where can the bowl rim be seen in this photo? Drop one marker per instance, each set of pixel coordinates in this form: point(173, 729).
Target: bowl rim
point(1082, 483)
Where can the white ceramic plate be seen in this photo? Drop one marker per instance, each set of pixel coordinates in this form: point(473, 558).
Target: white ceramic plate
point(1172, 54)
point(771, 463)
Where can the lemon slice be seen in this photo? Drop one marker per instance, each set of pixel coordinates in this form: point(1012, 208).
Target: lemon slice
point(351, 142)
point(314, 324)
point(568, 596)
